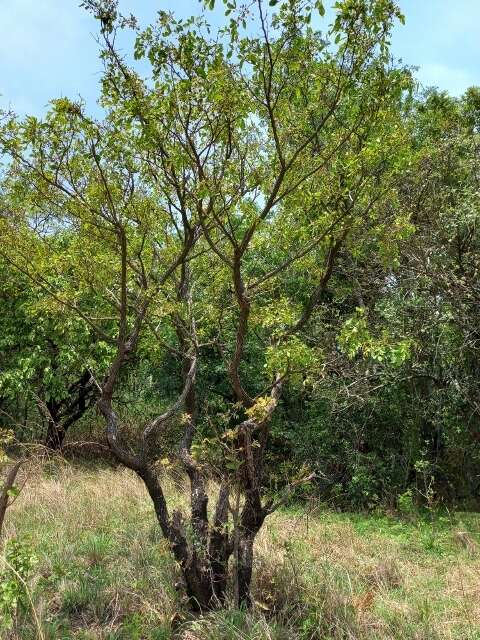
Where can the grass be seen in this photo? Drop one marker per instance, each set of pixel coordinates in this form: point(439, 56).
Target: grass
point(104, 572)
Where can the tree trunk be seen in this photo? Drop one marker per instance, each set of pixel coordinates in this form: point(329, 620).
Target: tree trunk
point(244, 569)
point(55, 432)
point(195, 563)
point(8, 484)
point(220, 548)
point(63, 414)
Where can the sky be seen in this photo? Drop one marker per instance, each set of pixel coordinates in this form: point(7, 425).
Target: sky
point(48, 48)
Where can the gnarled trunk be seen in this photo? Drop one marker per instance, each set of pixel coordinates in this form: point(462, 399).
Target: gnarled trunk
point(61, 415)
point(203, 560)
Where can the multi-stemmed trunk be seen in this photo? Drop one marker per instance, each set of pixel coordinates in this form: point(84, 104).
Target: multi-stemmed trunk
point(204, 545)
point(204, 557)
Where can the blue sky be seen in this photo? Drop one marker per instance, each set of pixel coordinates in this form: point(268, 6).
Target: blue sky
point(47, 47)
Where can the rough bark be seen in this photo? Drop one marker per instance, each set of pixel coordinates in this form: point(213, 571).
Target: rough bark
point(7, 486)
point(220, 547)
point(245, 568)
point(194, 560)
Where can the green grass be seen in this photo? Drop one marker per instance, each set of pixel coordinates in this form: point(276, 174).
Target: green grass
point(104, 572)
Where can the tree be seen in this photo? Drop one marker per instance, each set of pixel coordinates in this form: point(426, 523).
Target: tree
point(440, 266)
point(207, 212)
point(46, 362)
point(402, 410)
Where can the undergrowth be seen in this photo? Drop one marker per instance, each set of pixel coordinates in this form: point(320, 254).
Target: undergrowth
point(98, 569)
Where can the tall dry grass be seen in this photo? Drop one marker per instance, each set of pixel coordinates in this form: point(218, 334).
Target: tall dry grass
point(105, 572)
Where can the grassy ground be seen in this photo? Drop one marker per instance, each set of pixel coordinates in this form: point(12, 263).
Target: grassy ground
point(103, 571)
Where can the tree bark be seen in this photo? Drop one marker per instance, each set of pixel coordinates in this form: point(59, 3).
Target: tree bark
point(55, 434)
point(63, 414)
point(8, 484)
point(194, 563)
point(245, 568)
point(220, 547)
